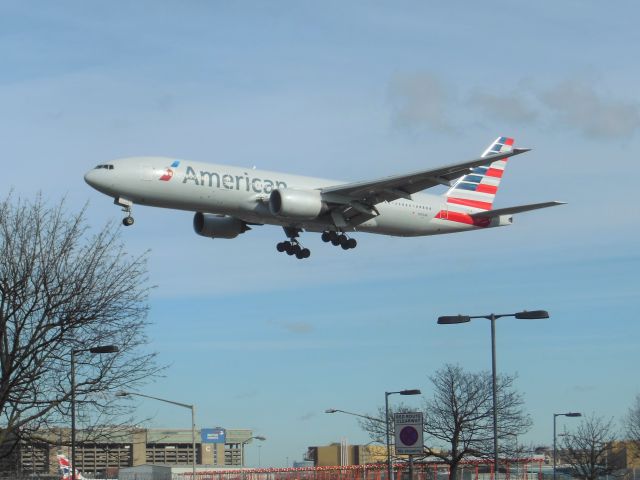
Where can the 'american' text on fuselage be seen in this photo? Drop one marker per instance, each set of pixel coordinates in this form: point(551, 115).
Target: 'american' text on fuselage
point(232, 182)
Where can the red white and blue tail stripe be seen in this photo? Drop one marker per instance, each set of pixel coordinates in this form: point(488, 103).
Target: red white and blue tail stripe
point(477, 190)
point(64, 467)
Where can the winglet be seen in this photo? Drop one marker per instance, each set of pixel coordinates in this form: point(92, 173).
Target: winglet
point(518, 151)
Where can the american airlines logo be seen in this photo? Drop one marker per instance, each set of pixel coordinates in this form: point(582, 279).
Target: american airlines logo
point(243, 182)
point(168, 172)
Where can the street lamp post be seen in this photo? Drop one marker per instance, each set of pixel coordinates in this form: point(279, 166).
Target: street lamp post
point(386, 417)
point(556, 415)
point(184, 405)
point(74, 352)
point(337, 410)
point(257, 437)
point(524, 315)
point(373, 419)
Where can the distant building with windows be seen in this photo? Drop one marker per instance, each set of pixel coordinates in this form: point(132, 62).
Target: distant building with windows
point(126, 448)
point(337, 454)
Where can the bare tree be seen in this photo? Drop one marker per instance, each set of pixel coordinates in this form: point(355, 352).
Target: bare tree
point(588, 450)
point(62, 289)
point(632, 424)
point(459, 417)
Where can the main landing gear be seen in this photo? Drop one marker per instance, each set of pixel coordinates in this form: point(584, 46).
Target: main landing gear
point(126, 207)
point(339, 239)
point(292, 246)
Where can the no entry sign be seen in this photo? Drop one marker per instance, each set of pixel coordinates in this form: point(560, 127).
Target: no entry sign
point(408, 433)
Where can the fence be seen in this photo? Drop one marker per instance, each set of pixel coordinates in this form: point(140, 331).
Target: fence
point(515, 470)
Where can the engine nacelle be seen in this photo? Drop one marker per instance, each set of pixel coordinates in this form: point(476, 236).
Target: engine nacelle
point(296, 204)
point(218, 226)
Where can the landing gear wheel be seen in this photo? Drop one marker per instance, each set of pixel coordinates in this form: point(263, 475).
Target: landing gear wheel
point(351, 243)
point(326, 237)
point(292, 246)
point(127, 221)
point(344, 246)
point(342, 239)
point(335, 242)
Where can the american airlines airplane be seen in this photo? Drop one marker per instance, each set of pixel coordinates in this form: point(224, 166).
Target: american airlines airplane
point(229, 200)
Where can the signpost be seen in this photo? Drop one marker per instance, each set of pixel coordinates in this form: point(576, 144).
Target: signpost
point(408, 433)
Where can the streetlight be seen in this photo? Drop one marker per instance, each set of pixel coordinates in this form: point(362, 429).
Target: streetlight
point(337, 410)
point(524, 315)
point(257, 437)
point(556, 415)
point(184, 405)
point(93, 350)
point(386, 416)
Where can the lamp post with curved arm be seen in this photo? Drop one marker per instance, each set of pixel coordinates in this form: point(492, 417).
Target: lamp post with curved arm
point(95, 351)
point(556, 415)
point(184, 405)
point(414, 391)
point(337, 410)
point(257, 437)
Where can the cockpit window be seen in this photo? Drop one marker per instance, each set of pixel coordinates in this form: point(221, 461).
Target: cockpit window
point(106, 166)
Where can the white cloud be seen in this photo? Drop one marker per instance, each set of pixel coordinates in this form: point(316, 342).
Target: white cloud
point(579, 105)
point(420, 100)
point(511, 107)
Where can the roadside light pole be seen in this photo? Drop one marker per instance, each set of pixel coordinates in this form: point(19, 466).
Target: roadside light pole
point(556, 415)
point(524, 315)
point(257, 437)
point(184, 405)
point(386, 416)
point(94, 351)
point(337, 410)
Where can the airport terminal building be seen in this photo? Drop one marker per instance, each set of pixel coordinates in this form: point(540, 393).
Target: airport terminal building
point(128, 448)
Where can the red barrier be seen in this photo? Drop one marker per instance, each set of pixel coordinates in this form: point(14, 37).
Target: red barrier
point(377, 471)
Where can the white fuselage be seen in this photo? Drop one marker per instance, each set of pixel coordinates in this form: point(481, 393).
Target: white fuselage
point(244, 193)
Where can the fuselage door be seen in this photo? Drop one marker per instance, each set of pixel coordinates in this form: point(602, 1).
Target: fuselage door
point(146, 172)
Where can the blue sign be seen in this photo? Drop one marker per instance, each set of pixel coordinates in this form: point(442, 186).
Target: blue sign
point(212, 435)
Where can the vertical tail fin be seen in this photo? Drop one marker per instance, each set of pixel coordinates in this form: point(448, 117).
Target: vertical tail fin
point(477, 189)
point(65, 468)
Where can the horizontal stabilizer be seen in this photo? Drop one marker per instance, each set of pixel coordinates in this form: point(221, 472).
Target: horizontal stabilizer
point(512, 210)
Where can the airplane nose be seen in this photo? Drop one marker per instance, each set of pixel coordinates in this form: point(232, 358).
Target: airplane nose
point(90, 177)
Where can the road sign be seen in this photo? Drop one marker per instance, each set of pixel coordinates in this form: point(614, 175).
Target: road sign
point(408, 433)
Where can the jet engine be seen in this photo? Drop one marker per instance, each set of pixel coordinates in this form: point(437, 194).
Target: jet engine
point(218, 226)
point(296, 204)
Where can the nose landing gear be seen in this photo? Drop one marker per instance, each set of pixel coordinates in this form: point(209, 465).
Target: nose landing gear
point(341, 239)
point(126, 208)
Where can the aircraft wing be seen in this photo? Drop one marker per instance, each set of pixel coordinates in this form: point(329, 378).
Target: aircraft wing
point(402, 186)
point(354, 203)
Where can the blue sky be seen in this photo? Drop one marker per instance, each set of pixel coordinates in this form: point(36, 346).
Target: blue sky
point(351, 90)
